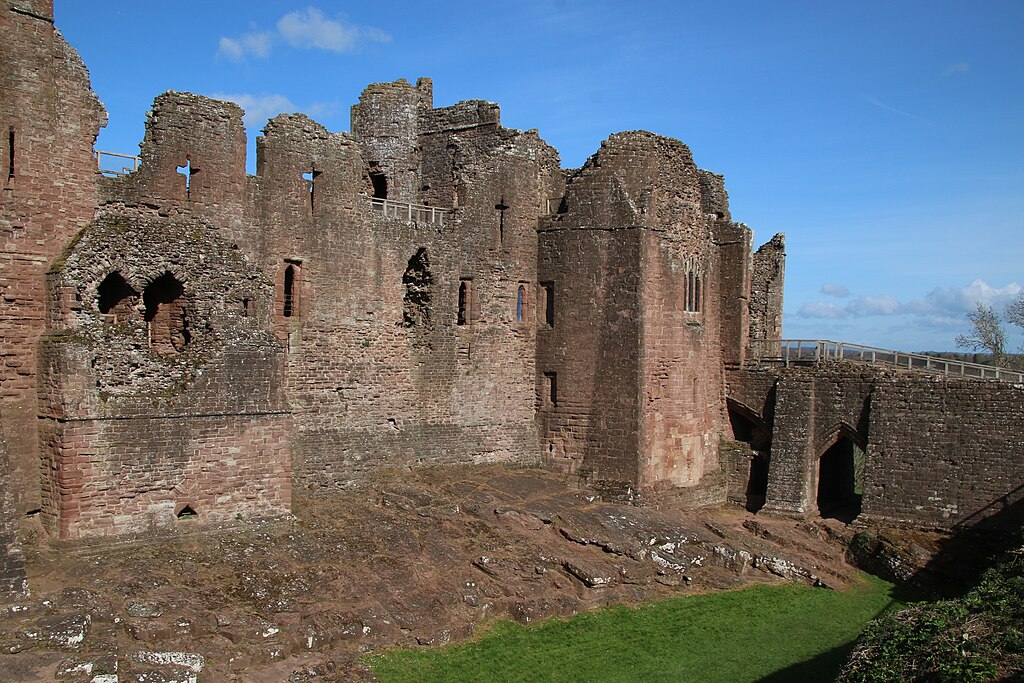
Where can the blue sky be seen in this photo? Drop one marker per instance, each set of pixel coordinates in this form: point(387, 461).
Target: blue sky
point(886, 139)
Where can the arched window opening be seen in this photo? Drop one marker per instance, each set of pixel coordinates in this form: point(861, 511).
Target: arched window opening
point(379, 181)
point(521, 304)
point(418, 283)
point(116, 298)
point(186, 513)
point(166, 314)
point(840, 480)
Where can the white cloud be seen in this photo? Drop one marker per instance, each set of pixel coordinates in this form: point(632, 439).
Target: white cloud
point(821, 309)
point(256, 44)
point(258, 108)
point(308, 28)
point(874, 305)
point(961, 300)
point(958, 68)
point(940, 307)
point(837, 291)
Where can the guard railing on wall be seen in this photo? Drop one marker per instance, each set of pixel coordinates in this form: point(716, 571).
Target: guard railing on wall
point(405, 211)
point(807, 351)
point(116, 164)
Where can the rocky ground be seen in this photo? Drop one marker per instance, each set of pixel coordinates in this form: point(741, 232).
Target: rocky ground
point(419, 558)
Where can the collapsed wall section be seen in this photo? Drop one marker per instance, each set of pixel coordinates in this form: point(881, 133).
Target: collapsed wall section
point(192, 161)
point(161, 384)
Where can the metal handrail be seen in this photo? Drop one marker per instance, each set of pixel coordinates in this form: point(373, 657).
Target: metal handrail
point(803, 351)
point(102, 155)
point(413, 213)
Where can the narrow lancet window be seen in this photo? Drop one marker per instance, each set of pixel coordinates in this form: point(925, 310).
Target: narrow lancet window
point(288, 299)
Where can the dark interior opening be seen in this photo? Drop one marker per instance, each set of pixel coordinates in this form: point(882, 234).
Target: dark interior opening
point(463, 317)
point(116, 297)
point(520, 303)
point(418, 285)
point(758, 439)
point(186, 513)
point(288, 302)
point(548, 302)
point(10, 153)
point(380, 185)
point(840, 480)
point(166, 314)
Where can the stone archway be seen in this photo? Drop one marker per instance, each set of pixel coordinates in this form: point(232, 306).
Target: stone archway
point(840, 470)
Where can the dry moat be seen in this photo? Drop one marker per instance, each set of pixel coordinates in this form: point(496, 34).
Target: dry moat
point(420, 557)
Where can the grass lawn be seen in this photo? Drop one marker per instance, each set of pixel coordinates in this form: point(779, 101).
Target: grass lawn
point(769, 633)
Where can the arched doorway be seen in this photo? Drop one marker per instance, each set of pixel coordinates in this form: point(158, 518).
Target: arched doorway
point(749, 429)
point(840, 479)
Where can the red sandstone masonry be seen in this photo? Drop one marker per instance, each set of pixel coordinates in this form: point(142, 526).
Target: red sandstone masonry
point(297, 334)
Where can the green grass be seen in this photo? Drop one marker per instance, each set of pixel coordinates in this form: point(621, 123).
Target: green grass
point(767, 633)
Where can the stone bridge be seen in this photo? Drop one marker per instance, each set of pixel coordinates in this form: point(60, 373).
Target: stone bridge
point(840, 435)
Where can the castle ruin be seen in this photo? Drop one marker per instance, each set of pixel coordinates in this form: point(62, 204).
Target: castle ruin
point(187, 341)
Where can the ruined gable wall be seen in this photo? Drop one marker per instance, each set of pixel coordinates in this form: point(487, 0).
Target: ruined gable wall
point(138, 425)
point(735, 247)
point(192, 161)
point(767, 279)
point(54, 118)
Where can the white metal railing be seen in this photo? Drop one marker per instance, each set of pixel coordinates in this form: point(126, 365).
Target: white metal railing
point(404, 211)
point(806, 351)
point(108, 163)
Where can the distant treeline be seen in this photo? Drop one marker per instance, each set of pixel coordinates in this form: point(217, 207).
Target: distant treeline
point(1009, 359)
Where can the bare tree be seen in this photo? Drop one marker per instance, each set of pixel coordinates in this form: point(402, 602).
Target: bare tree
point(1015, 311)
point(986, 333)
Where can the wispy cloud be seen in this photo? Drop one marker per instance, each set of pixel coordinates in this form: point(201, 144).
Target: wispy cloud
point(956, 69)
point(309, 28)
point(837, 291)
point(256, 44)
point(894, 110)
point(940, 306)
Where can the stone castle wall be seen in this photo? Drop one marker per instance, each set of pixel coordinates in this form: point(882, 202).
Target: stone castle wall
point(938, 451)
point(206, 339)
